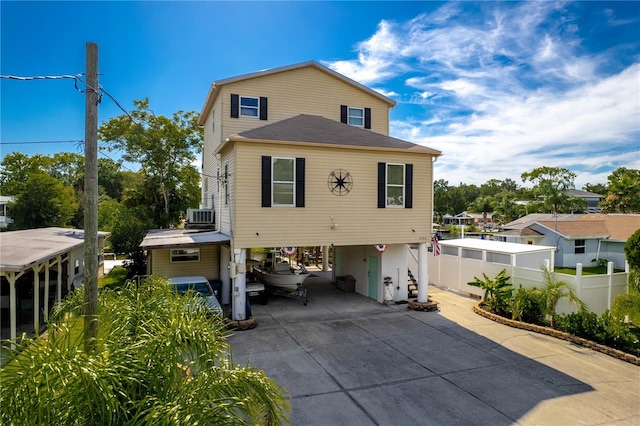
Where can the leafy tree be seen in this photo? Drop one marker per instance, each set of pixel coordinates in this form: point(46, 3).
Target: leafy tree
point(164, 147)
point(632, 250)
point(44, 201)
point(506, 207)
point(597, 188)
point(553, 291)
point(15, 170)
point(482, 205)
point(497, 292)
point(156, 361)
point(551, 184)
point(109, 210)
point(623, 191)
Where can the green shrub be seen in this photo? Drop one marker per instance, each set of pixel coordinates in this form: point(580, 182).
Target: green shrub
point(497, 292)
point(604, 329)
point(527, 306)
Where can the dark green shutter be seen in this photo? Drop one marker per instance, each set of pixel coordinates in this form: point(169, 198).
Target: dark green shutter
point(235, 106)
point(367, 118)
point(343, 114)
point(266, 181)
point(300, 182)
point(408, 186)
point(382, 169)
point(263, 108)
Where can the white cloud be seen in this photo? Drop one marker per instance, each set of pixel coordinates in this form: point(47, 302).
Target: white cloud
point(506, 91)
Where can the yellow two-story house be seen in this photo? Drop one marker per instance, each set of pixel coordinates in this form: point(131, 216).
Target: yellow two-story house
point(300, 156)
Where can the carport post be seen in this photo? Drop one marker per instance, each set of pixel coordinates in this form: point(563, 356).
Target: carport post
point(423, 274)
point(239, 277)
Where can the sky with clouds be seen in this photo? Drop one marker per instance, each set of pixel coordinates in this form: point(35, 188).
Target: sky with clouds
point(499, 87)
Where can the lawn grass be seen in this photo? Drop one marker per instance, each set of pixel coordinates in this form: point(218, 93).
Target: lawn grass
point(114, 279)
point(586, 270)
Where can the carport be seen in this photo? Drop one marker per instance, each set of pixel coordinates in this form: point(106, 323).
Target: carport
point(38, 268)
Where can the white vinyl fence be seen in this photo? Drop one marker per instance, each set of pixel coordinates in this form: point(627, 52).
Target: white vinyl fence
point(454, 272)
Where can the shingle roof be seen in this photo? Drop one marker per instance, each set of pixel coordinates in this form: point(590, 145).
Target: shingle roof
point(617, 227)
point(320, 130)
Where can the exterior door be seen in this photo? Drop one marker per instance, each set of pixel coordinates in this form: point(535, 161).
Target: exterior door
point(373, 277)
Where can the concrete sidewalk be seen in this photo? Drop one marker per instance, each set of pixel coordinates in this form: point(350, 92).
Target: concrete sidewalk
point(348, 360)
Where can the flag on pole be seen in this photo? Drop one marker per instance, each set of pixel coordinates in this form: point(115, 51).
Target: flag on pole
point(436, 245)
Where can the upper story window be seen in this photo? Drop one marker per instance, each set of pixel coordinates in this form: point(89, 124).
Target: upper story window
point(283, 181)
point(213, 120)
point(580, 246)
point(355, 116)
point(395, 185)
point(248, 106)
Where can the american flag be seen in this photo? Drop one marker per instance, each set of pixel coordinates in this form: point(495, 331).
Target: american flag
point(436, 245)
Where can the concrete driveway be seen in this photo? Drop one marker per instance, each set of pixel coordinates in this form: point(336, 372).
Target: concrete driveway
point(348, 360)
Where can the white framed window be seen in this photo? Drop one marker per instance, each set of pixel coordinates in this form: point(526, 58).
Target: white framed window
point(580, 246)
point(395, 185)
point(355, 116)
point(185, 255)
point(283, 181)
point(213, 120)
point(249, 106)
point(206, 184)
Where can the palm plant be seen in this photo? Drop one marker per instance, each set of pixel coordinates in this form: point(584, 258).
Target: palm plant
point(553, 291)
point(156, 361)
point(497, 292)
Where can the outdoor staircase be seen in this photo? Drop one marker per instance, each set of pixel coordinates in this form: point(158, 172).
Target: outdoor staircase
point(412, 285)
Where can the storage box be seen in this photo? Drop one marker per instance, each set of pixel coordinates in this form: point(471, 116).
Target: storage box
point(346, 283)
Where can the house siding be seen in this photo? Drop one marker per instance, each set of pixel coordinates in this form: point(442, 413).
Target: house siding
point(300, 91)
point(208, 265)
point(357, 216)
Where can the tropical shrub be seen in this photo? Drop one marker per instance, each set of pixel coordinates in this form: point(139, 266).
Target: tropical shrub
point(497, 292)
point(553, 291)
point(526, 306)
point(155, 362)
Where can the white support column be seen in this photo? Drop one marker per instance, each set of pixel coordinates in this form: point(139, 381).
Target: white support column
point(11, 277)
point(423, 274)
point(239, 277)
point(36, 298)
point(610, 284)
point(579, 280)
point(46, 292)
point(59, 288)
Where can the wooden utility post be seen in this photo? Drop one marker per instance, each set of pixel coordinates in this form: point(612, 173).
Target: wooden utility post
point(91, 200)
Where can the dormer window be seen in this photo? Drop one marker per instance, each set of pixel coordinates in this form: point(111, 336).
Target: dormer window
point(355, 116)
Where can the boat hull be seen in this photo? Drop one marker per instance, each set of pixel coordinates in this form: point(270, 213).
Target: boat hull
point(287, 281)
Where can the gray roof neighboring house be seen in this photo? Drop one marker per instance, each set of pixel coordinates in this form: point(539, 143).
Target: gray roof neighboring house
point(166, 238)
point(313, 129)
point(532, 218)
point(20, 250)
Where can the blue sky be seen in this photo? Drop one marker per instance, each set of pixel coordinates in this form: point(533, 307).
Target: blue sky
point(499, 87)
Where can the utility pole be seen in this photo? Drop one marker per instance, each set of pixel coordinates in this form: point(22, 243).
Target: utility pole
point(91, 200)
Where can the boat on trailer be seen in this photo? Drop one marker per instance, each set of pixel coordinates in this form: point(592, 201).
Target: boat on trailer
point(280, 278)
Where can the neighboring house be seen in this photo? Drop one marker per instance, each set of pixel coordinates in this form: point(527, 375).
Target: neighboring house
point(300, 156)
point(467, 219)
point(592, 199)
point(5, 220)
point(577, 238)
point(37, 268)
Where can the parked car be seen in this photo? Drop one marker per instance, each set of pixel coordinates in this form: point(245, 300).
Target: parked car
point(201, 286)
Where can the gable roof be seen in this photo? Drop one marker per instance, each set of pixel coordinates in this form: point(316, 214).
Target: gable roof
point(619, 226)
point(215, 86)
point(581, 194)
point(576, 229)
point(532, 218)
point(313, 129)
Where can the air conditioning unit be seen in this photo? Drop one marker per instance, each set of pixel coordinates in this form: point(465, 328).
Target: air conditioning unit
point(200, 216)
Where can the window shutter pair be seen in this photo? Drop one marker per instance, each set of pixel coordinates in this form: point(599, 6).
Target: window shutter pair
point(266, 181)
point(235, 107)
point(344, 116)
point(382, 186)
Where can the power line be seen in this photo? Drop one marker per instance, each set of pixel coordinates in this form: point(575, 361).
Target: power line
point(41, 142)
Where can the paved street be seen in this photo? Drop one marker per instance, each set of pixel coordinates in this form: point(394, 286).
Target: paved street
point(347, 360)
